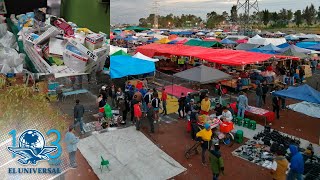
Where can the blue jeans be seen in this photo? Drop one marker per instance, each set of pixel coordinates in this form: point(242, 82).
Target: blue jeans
point(144, 107)
point(72, 158)
point(215, 176)
point(79, 121)
point(294, 176)
point(259, 101)
point(241, 111)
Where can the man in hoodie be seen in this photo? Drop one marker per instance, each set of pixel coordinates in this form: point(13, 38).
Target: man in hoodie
point(296, 164)
point(104, 93)
point(204, 136)
point(147, 98)
point(216, 162)
point(182, 103)
point(279, 166)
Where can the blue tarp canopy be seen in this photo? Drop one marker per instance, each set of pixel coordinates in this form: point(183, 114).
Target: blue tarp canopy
point(296, 49)
point(121, 66)
point(270, 47)
point(306, 44)
point(129, 38)
point(284, 45)
point(258, 50)
point(227, 41)
point(315, 47)
point(302, 93)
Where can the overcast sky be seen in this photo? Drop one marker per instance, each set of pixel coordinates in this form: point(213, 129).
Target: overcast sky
point(129, 11)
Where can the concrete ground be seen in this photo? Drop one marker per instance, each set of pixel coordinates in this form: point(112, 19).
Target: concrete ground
point(171, 136)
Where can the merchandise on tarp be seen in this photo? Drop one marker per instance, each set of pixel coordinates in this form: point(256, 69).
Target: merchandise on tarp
point(121, 66)
point(302, 93)
point(307, 108)
point(141, 56)
point(203, 75)
point(221, 56)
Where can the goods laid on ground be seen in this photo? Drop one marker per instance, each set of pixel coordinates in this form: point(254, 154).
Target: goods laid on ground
point(56, 46)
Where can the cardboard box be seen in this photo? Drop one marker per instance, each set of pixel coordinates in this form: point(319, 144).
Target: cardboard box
point(75, 61)
point(94, 41)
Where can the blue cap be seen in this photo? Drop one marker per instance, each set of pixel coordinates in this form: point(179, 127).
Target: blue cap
point(206, 125)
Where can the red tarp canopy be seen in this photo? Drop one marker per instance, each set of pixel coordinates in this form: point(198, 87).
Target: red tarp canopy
point(221, 56)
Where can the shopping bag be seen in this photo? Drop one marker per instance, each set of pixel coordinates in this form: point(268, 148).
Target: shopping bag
point(189, 126)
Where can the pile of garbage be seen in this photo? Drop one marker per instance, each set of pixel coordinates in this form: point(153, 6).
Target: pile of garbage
point(10, 60)
point(57, 46)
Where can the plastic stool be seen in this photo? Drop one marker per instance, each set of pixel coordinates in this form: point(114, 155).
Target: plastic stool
point(234, 119)
point(239, 136)
point(253, 125)
point(239, 121)
point(246, 122)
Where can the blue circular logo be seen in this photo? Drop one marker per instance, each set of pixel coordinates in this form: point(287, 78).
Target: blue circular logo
point(33, 140)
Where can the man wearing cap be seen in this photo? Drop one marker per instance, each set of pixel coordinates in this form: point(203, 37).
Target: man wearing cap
point(71, 141)
point(104, 93)
point(205, 105)
point(216, 162)
point(226, 115)
point(204, 136)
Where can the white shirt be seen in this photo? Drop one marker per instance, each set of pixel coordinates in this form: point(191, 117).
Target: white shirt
point(227, 115)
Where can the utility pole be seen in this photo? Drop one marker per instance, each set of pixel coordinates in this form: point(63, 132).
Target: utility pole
point(246, 6)
point(156, 4)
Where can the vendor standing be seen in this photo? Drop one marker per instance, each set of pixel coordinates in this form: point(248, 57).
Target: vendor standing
point(205, 105)
point(205, 136)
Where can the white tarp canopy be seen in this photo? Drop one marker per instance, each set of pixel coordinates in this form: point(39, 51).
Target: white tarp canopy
point(265, 41)
point(159, 36)
point(307, 108)
point(114, 49)
point(131, 155)
point(144, 57)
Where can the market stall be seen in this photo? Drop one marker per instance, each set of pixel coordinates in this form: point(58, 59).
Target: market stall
point(259, 113)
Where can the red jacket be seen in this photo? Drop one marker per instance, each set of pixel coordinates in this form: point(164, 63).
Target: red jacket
point(164, 96)
point(137, 110)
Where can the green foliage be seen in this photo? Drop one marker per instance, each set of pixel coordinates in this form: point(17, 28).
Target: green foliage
point(234, 14)
point(21, 105)
point(265, 17)
point(309, 14)
point(298, 17)
point(214, 19)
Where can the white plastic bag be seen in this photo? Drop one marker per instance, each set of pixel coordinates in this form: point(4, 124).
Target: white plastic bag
point(8, 40)
point(3, 30)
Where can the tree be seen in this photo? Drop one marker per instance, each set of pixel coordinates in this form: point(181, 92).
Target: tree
point(289, 15)
point(143, 22)
point(309, 14)
point(274, 17)
point(214, 19)
point(234, 14)
point(265, 17)
point(298, 17)
point(225, 15)
point(319, 14)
